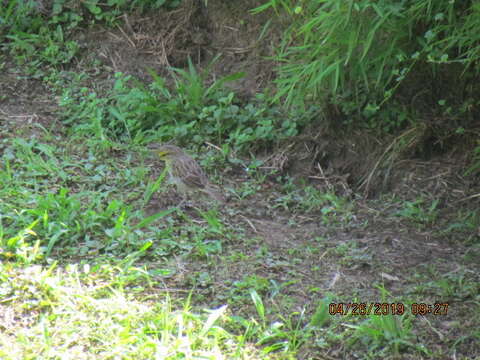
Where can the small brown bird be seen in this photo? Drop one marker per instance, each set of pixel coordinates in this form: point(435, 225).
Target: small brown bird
point(185, 172)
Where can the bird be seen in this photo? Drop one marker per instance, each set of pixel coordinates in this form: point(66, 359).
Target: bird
point(185, 172)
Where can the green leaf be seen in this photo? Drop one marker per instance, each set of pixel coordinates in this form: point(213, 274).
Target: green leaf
point(152, 218)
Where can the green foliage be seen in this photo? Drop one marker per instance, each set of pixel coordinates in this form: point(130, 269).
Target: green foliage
point(455, 285)
point(357, 54)
point(333, 209)
point(453, 36)
point(35, 33)
point(345, 49)
point(250, 282)
point(321, 316)
point(191, 113)
point(18, 15)
point(54, 200)
point(385, 333)
point(285, 334)
point(36, 50)
point(420, 211)
point(17, 245)
point(109, 12)
point(31, 38)
point(108, 321)
point(390, 332)
point(464, 225)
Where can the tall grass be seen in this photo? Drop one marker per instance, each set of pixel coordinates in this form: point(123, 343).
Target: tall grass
point(357, 54)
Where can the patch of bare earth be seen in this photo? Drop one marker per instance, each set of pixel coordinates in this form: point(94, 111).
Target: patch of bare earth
point(26, 104)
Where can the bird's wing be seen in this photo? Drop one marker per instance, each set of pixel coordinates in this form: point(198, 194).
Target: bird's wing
point(194, 176)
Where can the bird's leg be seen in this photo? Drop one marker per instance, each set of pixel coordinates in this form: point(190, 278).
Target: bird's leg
point(182, 202)
point(185, 202)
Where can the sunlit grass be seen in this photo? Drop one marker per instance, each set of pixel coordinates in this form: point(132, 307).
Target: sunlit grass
point(79, 313)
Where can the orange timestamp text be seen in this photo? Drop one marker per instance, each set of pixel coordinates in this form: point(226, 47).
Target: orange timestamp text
point(365, 309)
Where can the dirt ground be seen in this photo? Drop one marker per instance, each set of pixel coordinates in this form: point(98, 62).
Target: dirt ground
point(376, 248)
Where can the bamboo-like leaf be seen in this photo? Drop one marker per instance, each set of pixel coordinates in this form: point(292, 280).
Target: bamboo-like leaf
point(257, 301)
point(214, 316)
point(371, 36)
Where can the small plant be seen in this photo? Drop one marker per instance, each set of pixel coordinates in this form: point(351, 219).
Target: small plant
point(309, 199)
point(285, 335)
point(419, 211)
point(250, 283)
point(386, 332)
point(454, 285)
point(19, 246)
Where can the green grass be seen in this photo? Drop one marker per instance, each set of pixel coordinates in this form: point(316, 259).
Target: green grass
point(68, 199)
point(191, 113)
point(82, 201)
point(93, 267)
point(80, 312)
point(85, 205)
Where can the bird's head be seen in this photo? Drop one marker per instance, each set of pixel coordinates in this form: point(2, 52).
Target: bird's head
point(165, 152)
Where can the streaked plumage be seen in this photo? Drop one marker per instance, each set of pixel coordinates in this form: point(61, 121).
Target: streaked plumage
point(185, 172)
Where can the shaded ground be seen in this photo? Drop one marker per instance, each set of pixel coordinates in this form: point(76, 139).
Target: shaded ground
point(413, 236)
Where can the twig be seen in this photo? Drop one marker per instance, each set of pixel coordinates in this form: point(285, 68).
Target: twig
point(469, 197)
point(214, 146)
point(125, 34)
point(250, 223)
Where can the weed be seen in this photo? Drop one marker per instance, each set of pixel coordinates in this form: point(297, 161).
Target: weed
point(17, 246)
point(458, 285)
point(379, 331)
point(250, 282)
point(420, 212)
point(189, 113)
point(332, 208)
point(351, 253)
point(41, 42)
point(464, 225)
